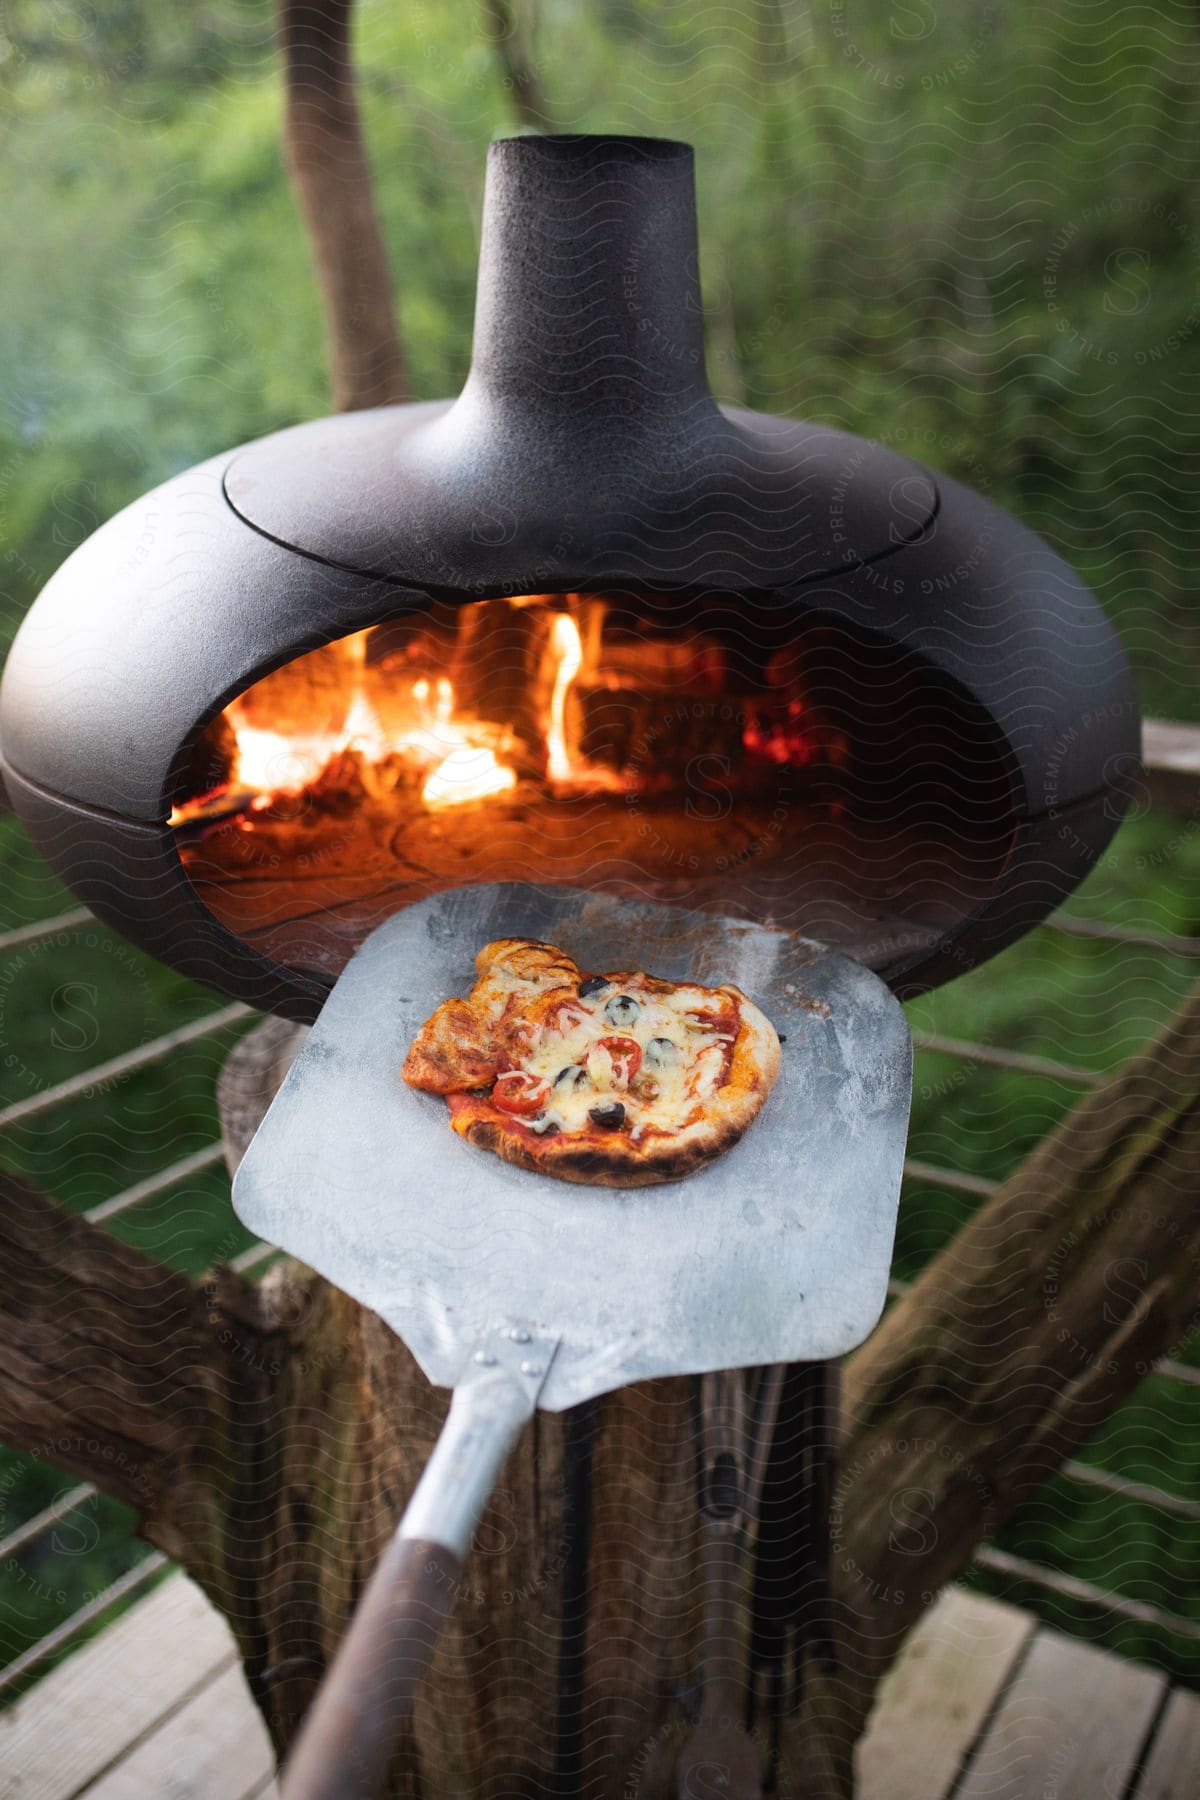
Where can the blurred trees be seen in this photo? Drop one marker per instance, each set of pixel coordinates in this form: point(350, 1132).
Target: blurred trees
point(972, 232)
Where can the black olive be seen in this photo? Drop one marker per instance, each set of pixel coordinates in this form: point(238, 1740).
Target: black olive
point(595, 984)
point(572, 1078)
point(661, 1053)
point(609, 1117)
point(622, 1009)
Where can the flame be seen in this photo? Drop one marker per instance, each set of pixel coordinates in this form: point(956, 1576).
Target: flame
point(465, 769)
point(362, 730)
point(271, 762)
point(456, 759)
point(436, 734)
point(459, 753)
point(567, 645)
point(470, 773)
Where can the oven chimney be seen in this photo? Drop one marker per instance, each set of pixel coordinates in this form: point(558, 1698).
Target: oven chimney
point(588, 300)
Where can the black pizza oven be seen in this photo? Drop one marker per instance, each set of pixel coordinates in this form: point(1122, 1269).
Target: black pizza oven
point(579, 625)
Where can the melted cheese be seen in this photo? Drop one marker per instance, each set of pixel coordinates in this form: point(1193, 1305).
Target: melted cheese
point(684, 1086)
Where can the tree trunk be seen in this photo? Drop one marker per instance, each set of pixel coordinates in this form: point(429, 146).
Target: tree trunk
point(327, 162)
point(520, 72)
point(1015, 1344)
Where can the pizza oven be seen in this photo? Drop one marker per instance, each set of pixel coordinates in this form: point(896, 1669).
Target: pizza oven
point(581, 625)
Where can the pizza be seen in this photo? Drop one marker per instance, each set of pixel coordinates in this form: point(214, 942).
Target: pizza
point(618, 1080)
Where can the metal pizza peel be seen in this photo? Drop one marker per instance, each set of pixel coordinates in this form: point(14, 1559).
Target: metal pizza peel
point(520, 1291)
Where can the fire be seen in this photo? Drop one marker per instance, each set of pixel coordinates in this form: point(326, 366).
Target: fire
point(471, 773)
point(458, 757)
point(396, 731)
point(568, 647)
point(273, 763)
point(465, 770)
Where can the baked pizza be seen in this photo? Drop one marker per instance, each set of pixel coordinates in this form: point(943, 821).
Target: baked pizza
point(618, 1080)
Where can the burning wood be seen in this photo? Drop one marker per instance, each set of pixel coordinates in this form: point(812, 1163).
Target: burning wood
point(335, 716)
point(549, 736)
point(423, 745)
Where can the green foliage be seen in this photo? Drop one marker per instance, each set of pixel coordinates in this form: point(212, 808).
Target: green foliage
point(971, 233)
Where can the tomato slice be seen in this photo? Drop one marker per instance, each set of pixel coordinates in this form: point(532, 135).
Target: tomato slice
point(520, 1093)
point(626, 1056)
point(711, 1021)
point(565, 1015)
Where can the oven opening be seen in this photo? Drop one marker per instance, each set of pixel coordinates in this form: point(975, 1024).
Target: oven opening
point(723, 753)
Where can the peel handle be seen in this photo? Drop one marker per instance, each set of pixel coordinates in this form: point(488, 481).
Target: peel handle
point(345, 1743)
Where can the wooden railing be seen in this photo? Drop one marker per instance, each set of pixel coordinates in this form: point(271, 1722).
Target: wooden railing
point(1172, 766)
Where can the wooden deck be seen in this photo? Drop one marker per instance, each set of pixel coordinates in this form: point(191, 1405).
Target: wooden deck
point(984, 1705)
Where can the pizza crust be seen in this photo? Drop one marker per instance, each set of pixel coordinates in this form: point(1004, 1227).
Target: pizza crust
point(528, 989)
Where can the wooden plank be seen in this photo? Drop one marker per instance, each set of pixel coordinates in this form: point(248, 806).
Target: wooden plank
point(1172, 1770)
point(934, 1701)
point(1071, 1726)
point(214, 1748)
point(1171, 754)
point(88, 1711)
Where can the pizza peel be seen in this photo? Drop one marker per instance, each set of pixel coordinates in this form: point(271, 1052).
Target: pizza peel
point(519, 1291)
